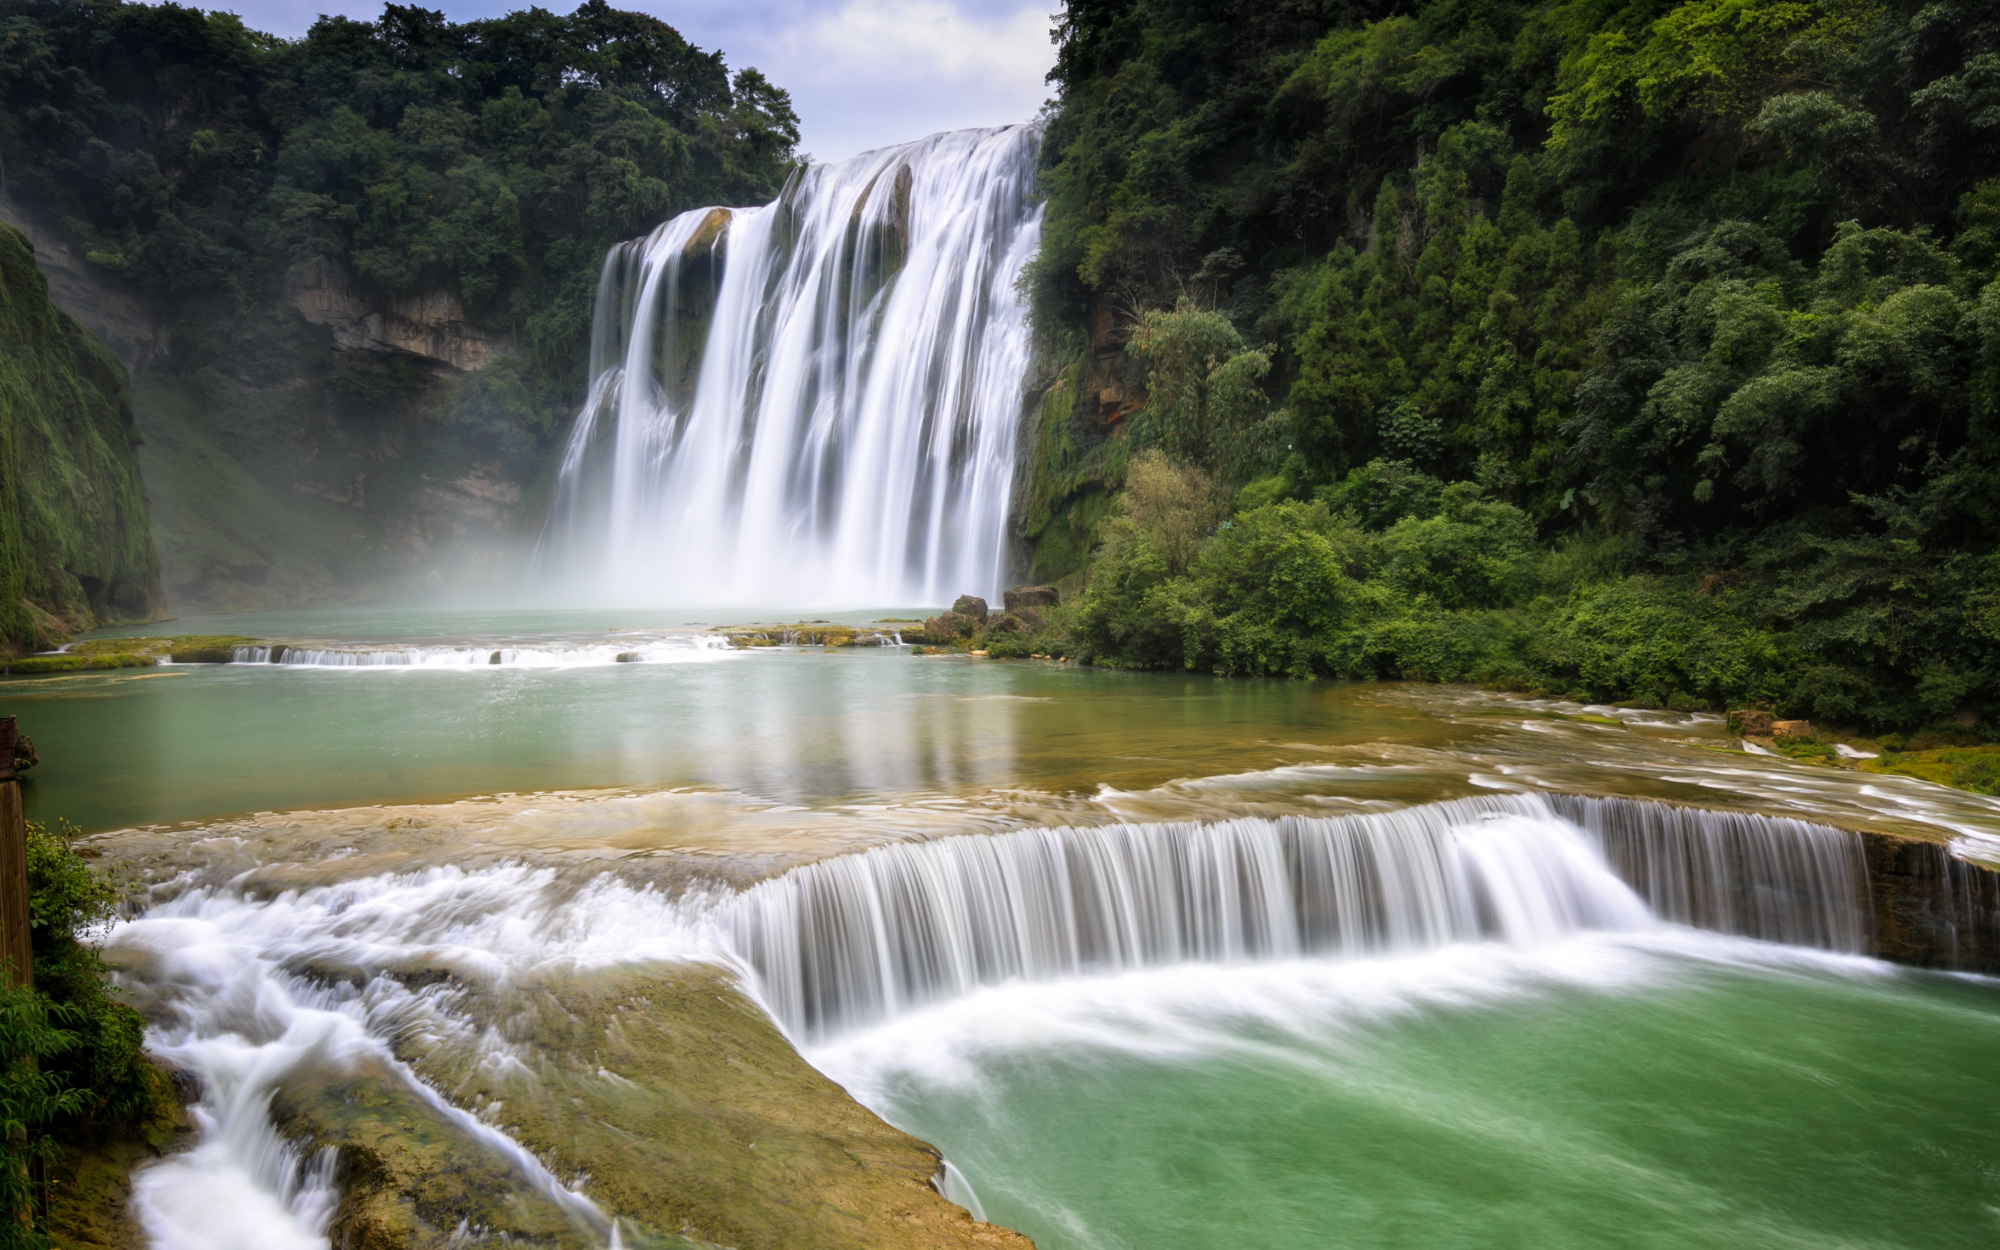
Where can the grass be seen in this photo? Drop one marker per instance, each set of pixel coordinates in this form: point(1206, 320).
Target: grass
point(1963, 768)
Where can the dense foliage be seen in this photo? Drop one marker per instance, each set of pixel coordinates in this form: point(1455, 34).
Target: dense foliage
point(219, 169)
point(1615, 347)
point(71, 1065)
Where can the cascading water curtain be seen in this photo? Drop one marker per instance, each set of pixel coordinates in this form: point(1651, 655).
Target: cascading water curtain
point(812, 403)
point(859, 938)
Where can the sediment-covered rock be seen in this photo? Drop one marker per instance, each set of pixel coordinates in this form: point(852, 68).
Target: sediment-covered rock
point(410, 1176)
point(693, 1116)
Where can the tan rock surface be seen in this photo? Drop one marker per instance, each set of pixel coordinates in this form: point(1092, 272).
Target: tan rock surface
point(692, 1115)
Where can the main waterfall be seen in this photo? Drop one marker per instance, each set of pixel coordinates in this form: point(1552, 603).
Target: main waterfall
point(813, 402)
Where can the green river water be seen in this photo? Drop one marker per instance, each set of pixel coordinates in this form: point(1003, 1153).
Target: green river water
point(1662, 1089)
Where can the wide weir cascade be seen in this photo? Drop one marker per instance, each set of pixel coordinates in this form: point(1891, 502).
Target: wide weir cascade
point(811, 402)
point(848, 941)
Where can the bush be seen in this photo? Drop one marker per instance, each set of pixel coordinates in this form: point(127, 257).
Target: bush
point(89, 1078)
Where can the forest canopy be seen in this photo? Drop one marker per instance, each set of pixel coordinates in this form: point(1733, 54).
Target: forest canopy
point(1626, 349)
point(204, 162)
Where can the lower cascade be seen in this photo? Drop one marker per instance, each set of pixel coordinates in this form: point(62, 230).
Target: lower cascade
point(256, 991)
point(814, 401)
point(849, 941)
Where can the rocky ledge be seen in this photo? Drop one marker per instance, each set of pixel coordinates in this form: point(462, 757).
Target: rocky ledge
point(692, 1117)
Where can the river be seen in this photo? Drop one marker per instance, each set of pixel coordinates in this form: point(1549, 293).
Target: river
point(1154, 960)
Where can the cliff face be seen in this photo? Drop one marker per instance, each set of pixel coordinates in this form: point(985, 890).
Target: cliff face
point(76, 549)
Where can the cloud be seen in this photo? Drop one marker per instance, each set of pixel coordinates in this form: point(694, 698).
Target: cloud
point(875, 72)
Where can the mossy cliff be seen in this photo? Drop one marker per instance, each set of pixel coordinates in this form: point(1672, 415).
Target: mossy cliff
point(75, 546)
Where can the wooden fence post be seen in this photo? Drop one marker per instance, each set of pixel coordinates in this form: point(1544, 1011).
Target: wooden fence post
point(15, 947)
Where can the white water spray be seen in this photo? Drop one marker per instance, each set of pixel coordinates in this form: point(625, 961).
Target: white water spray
point(812, 402)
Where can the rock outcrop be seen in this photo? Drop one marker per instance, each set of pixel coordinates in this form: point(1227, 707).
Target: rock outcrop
point(1031, 597)
point(431, 325)
point(694, 1118)
point(950, 627)
point(1931, 908)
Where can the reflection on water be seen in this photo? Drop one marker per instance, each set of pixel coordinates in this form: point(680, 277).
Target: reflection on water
point(783, 755)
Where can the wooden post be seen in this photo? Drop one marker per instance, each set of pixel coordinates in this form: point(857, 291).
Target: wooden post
point(15, 947)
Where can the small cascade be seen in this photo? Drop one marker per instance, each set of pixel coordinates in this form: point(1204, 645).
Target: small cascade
point(1768, 877)
point(860, 938)
point(812, 402)
point(225, 1005)
point(677, 649)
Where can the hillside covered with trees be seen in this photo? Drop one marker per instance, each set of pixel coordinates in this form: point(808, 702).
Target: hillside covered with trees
point(1616, 348)
point(435, 198)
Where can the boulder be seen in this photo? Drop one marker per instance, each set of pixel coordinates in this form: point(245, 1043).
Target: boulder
point(1018, 621)
point(1032, 597)
point(950, 627)
point(631, 657)
point(1750, 722)
point(1791, 729)
point(972, 606)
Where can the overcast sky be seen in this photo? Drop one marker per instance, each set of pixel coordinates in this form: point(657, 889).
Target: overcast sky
point(862, 73)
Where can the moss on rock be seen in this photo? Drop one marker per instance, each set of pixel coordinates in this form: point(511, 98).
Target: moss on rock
point(1974, 768)
point(76, 549)
point(410, 1176)
point(693, 1116)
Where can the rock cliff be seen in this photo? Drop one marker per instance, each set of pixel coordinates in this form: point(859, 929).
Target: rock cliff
point(432, 325)
point(76, 548)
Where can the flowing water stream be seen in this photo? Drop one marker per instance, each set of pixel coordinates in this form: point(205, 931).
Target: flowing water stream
point(1156, 961)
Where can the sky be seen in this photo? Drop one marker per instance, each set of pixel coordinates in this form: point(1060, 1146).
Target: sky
point(862, 73)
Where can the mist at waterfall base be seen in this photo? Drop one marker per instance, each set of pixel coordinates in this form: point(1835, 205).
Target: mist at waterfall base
point(814, 402)
point(1462, 1024)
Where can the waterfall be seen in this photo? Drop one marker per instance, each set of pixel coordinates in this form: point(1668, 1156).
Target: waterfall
point(811, 402)
point(1770, 877)
point(859, 938)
